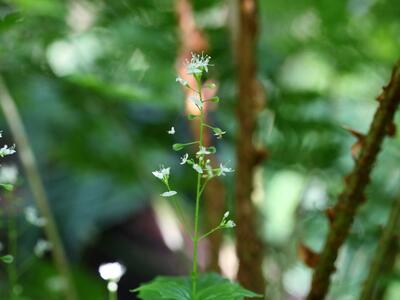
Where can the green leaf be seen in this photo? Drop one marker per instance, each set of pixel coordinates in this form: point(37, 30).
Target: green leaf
point(7, 259)
point(7, 186)
point(211, 286)
point(178, 147)
point(192, 117)
point(212, 149)
point(214, 99)
point(211, 85)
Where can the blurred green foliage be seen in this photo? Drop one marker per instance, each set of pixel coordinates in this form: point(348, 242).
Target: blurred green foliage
point(94, 81)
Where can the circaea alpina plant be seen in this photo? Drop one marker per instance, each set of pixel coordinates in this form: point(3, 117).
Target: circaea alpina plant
point(199, 286)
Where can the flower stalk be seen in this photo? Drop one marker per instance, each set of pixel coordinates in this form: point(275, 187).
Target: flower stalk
point(200, 163)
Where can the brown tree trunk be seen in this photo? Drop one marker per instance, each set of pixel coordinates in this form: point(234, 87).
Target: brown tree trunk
point(249, 244)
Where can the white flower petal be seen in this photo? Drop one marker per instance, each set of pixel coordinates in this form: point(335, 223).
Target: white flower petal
point(172, 130)
point(112, 271)
point(168, 194)
point(203, 151)
point(230, 224)
point(196, 101)
point(32, 216)
point(162, 174)
point(182, 81)
point(41, 247)
point(184, 159)
point(7, 150)
point(198, 168)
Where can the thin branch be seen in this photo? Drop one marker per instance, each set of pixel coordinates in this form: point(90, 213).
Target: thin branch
point(387, 242)
point(28, 161)
point(353, 194)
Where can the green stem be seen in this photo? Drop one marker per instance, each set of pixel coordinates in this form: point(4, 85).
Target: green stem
point(12, 240)
point(112, 295)
point(198, 196)
point(210, 232)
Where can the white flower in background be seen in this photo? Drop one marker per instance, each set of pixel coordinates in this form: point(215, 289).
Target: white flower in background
point(168, 194)
point(112, 271)
point(162, 174)
point(203, 151)
point(196, 101)
point(32, 216)
point(172, 130)
point(223, 170)
point(198, 64)
point(8, 174)
point(184, 159)
point(41, 247)
point(7, 150)
point(182, 81)
point(198, 168)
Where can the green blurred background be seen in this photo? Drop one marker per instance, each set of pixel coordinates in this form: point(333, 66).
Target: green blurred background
point(95, 85)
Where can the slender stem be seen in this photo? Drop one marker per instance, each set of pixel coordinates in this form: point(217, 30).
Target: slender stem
point(112, 295)
point(204, 186)
point(387, 242)
point(210, 232)
point(198, 196)
point(12, 240)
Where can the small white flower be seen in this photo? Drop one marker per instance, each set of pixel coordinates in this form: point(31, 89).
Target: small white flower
point(182, 81)
point(168, 194)
point(8, 174)
point(41, 247)
point(219, 134)
point(184, 159)
point(7, 150)
point(172, 130)
point(196, 101)
point(32, 216)
point(226, 214)
point(198, 168)
point(198, 63)
point(112, 271)
point(162, 174)
point(223, 170)
point(203, 151)
point(230, 224)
